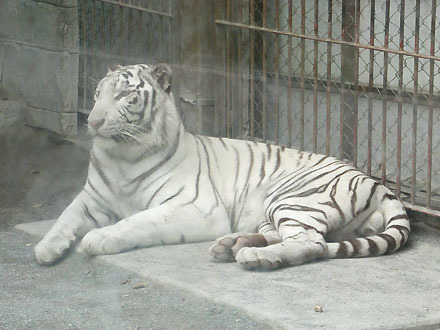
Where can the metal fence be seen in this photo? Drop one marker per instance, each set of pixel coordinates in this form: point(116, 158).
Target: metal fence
point(354, 79)
point(120, 32)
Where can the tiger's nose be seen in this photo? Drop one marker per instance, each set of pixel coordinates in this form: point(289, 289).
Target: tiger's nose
point(96, 124)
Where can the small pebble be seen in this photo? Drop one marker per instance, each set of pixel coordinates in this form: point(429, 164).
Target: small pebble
point(318, 308)
point(140, 285)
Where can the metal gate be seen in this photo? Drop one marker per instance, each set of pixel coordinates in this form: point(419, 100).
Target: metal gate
point(354, 79)
point(120, 32)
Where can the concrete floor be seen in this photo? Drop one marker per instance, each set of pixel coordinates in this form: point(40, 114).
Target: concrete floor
point(182, 288)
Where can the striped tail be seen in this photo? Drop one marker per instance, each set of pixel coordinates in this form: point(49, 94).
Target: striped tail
point(394, 236)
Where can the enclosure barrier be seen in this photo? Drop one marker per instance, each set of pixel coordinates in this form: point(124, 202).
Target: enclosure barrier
point(120, 32)
point(353, 79)
point(358, 80)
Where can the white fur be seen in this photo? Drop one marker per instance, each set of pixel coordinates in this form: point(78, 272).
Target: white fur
point(167, 186)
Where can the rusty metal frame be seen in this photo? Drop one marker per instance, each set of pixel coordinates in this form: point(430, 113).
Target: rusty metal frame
point(352, 90)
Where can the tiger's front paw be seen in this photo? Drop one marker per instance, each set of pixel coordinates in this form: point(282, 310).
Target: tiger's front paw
point(102, 241)
point(251, 258)
point(49, 251)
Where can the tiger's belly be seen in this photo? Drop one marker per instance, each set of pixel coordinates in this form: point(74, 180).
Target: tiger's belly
point(250, 215)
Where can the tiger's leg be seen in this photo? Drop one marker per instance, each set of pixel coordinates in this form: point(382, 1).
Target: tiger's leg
point(161, 225)
point(82, 215)
point(301, 243)
point(225, 248)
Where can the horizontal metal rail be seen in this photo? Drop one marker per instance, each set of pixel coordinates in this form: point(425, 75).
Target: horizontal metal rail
point(128, 5)
point(332, 41)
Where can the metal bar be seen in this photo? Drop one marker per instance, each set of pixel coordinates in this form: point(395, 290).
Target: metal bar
point(356, 83)
point(431, 105)
point(370, 87)
point(329, 79)
point(104, 34)
point(263, 59)
point(198, 54)
point(151, 11)
point(422, 210)
point(315, 79)
point(303, 36)
point(128, 42)
point(240, 72)
point(160, 27)
point(93, 41)
point(228, 73)
point(347, 81)
point(220, 79)
point(142, 37)
point(121, 37)
point(303, 58)
point(415, 107)
point(289, 77)
point(277, 72)
point(252, 70)
point(399, 104)
point(385, 87)
point(85, 56)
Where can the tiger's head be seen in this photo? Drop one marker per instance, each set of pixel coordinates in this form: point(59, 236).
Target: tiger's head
point(133, 105)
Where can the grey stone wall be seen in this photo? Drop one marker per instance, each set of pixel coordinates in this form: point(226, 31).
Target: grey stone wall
point(39, 63)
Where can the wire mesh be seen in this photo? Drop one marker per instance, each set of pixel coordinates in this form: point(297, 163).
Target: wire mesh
point(117, 33)
point(353, 79)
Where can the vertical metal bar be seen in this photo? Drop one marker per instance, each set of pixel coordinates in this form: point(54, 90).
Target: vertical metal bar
point(104, 34)
point(228, 73)
point(303, 59)
point(289, 77)
point(399, 97)
point(342, 106)
point(371, 86)
point(252, 70)
point(121, 37)
point(85, 53)
point(130, 36)
point(240, 71)
point(198, 54)
point(94, 41)
point(415, 107)
point(263, 59)
point(329, 78)
point(348, 77)
point(142, 38)
point(384, 91)
point(356, 82)
point(431, 104)
point(277, 72)
point(315, 78)
point(161, 30)
point(220, 81)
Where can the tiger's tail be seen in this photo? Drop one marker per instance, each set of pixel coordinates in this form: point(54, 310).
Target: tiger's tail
point(395, 235)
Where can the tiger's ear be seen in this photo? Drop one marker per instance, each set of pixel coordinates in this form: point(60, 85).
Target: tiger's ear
point(163, 75)
point(113, 67)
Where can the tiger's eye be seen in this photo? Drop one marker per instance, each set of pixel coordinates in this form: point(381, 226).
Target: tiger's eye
point(122, 94)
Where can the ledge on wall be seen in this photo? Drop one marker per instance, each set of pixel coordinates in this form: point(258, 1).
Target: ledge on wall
point(64, 124)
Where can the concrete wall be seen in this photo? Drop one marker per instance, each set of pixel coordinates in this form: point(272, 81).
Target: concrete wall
point(39, 63)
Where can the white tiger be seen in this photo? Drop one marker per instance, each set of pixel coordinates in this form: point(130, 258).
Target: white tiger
point(150, 183)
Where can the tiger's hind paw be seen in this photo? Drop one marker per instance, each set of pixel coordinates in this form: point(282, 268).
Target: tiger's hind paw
point(251, 258)
point(225, 248)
